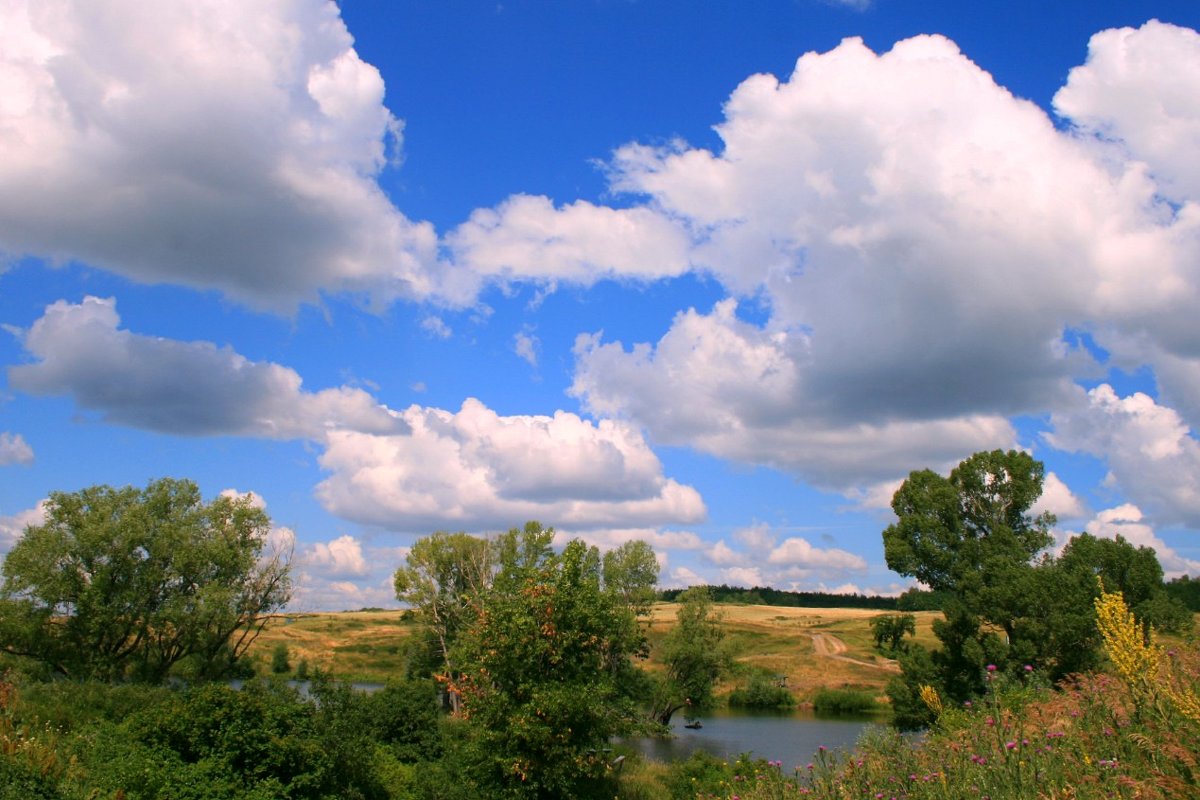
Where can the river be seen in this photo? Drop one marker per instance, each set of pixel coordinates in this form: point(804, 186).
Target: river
point(793, 738)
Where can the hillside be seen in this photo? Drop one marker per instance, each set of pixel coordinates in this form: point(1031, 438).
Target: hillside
point(812, 647)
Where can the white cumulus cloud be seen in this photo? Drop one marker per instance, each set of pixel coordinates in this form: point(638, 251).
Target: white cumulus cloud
point(478, 470)
point(12, 527)
point(1128, 522)
point(214, 144)
point(734, 390)
point(191, 388)
point(1151, 454)
point(1139, 86)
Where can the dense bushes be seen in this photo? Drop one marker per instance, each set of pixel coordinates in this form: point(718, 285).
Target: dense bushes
point(762, 692)
point(265, 741)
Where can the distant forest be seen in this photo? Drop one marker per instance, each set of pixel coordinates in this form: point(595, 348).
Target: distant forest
point(1184, 589)
point(912, 600)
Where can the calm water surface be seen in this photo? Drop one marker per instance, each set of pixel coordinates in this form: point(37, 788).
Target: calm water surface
point(792, 738)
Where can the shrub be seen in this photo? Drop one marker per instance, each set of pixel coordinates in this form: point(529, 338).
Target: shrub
point(843, 701)
point(761, 692)
point(279, 659)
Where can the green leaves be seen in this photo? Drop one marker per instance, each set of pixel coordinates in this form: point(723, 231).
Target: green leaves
point(545, 667)
point(127, 583)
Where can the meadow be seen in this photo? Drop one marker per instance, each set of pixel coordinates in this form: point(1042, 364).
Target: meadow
point(811, 648)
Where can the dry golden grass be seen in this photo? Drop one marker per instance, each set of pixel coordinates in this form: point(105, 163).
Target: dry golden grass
point(354, 645)
point(805, 644)
point(812, 647)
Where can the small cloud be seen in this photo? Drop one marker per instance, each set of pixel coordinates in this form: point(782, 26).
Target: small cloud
point(14, 449)
point(340, 558)
point(526, 346)
point(742, 576)
point(256, 499)
point(13, 527)
point(724, 555)
point(1058, 499)
point(436, 327)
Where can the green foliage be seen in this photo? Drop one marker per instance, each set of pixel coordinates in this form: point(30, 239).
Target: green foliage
point(1187, 591)
point(694, 659)
point(280, 664)
point(442, 575)
point(956, 533)
point(762, 692)
point(696, 776)
point(131, 584)
point(843, 701)
point(545, 671)
point(972, 538)
point(889, 630)
point(631, 571)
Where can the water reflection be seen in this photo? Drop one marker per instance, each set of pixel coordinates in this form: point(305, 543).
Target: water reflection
point(792, 738)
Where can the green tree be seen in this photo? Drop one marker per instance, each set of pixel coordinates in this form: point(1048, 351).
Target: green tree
point(971, 536)
point(631, 571)
point(1132, 571)
point(694, 657)
point(889, 629)
point(1186, 590)
point(280, 663)
point(442, 576)
point(546, 669)
point(129, 583)
point(964, 533)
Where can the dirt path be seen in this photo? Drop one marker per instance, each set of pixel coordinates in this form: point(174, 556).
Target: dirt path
point(830, 646)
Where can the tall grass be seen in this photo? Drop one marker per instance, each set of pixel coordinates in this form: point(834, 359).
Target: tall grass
point(843, 701)
point(1134, 733)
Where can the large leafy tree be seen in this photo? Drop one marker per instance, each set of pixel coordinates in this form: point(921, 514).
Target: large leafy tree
point(973, 537)
point(442, 576)
point(965, 533)
point(694, 658)
point(547, 671)
point(132, 583)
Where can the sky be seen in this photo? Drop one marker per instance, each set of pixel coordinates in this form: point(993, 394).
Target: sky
point(713, 275)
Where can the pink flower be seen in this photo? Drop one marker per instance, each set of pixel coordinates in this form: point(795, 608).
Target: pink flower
point(991, 667)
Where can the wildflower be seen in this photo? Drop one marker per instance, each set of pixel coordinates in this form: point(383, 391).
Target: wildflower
point(1010, 745)
point(1029, 668)
point(991, 667)
point(1135, 661)
point(931, 699)
point(966, 704)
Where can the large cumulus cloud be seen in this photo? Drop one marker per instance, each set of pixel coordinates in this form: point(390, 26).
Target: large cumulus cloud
point(478, 470)
point(927, 247)
point(214, 144)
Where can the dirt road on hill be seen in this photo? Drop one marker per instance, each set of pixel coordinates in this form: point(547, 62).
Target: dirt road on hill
point(830, 646)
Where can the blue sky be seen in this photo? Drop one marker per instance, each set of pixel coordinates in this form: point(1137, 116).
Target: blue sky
point(714, 275)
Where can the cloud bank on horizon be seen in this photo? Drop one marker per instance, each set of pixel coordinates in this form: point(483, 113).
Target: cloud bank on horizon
point(909, 264)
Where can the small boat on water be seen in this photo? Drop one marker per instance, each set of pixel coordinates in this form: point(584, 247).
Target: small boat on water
point(694, 724)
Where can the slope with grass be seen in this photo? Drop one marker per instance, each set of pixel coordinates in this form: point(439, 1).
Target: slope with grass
point(811, 648)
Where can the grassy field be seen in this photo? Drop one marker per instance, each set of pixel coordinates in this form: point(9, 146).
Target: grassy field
point(813, 647)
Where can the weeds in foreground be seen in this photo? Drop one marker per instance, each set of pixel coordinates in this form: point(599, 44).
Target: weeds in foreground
point(1132, 734)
